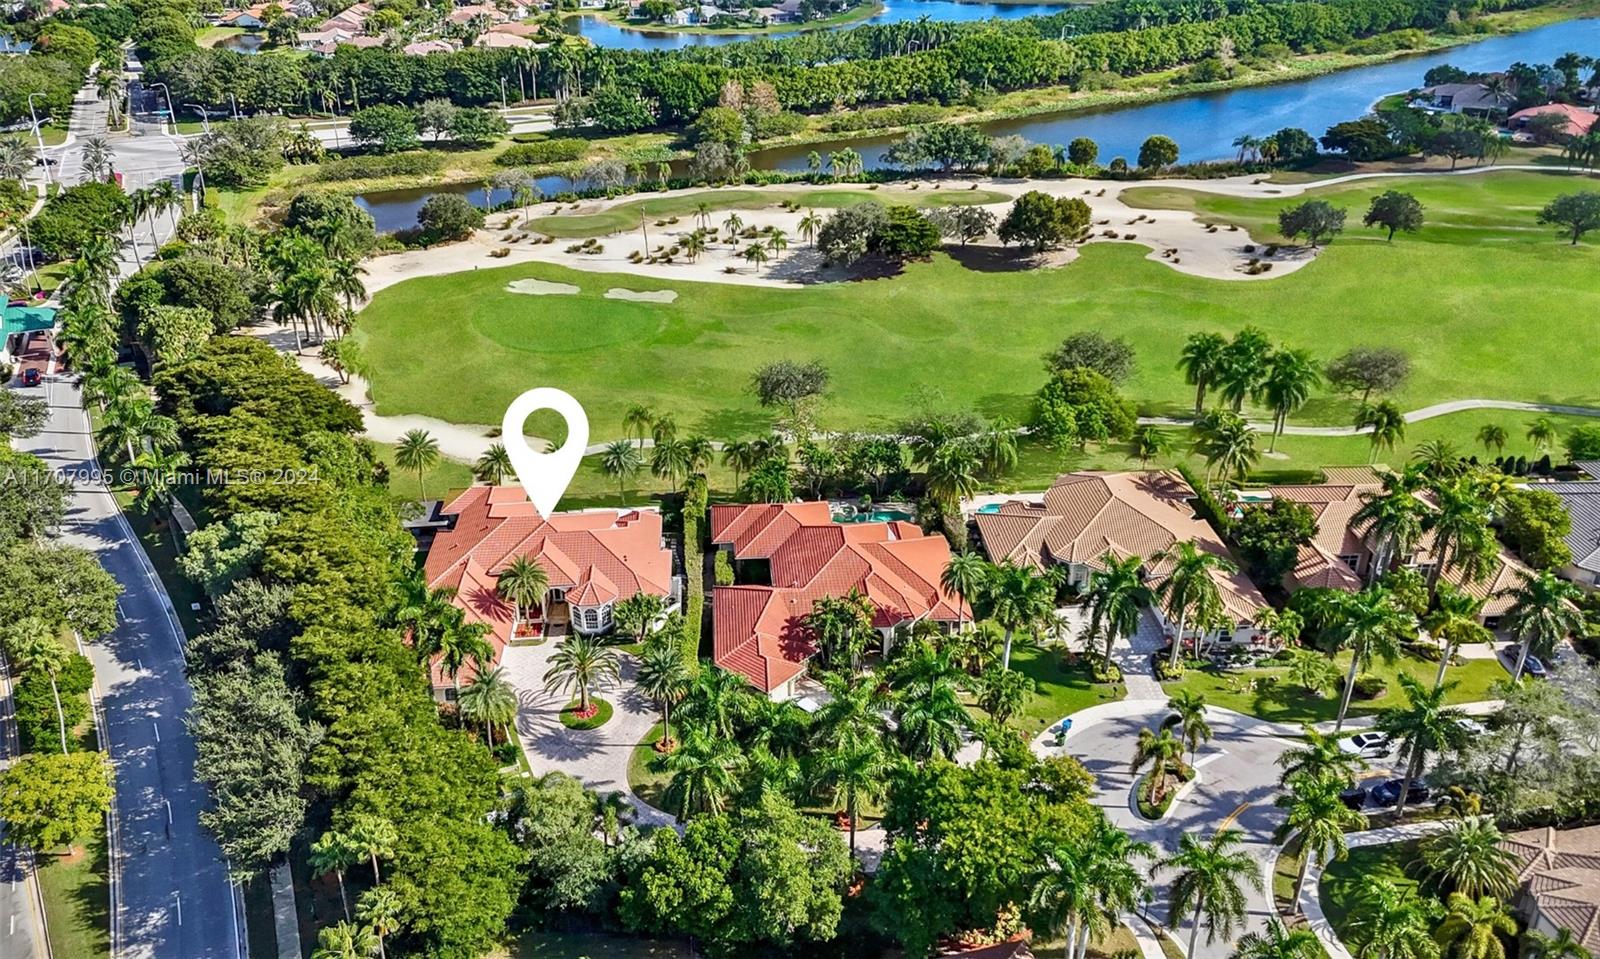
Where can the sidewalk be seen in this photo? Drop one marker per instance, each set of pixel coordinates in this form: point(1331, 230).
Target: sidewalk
point(1311, 902)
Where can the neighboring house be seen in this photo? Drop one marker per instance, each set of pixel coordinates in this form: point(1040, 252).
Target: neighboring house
point(422, 48)
point(1582, 500)
point(593, 560)
point(352, 20)
point(461, 16)
point(1086, 515)
point(758, 630)
point(245, 19)
point(1471, 99)
point(1579, 119)
point(1558, 877)
point(524, 30)
point(323, 42)
point(504, 41)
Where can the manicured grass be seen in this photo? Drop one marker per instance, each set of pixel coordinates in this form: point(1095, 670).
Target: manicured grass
point(77, 899)
point(976, 337)
point(438, 482)
point(645, 776)
point(1062, 688)
point(625, 216)
point(571, 720)
point(1346, 882)
point(1113, 942)
point(595, 945)
point(1274, 698)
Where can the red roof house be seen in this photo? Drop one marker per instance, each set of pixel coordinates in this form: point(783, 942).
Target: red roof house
point(592, 559)
point(1579, 119)
point(758, 630)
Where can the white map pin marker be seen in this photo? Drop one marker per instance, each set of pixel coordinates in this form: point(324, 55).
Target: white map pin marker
point(545, 476)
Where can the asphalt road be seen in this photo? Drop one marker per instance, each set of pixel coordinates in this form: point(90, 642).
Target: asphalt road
point(20, 935)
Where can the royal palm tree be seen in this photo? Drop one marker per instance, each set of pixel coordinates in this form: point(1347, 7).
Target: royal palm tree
point(1191, 586)
point(664, 677)
point(930, 725)
point(1474, 928)
point(579, 664)
point(1461, 535)
point(1018, 598)
point(1393, 923)
point(1061, 896)
point(1543, 612)
point(1279, 942)
point(703, 774)
point(1227, 443)
point(1454, 622)
point(334, 852)
point(967, 576)
point(1189, 719)
point(1210, 884)
point(997, 449)
point(1163, 753)
point(1117, 598)
point(855, 772)
point(33, 644)
point(1387, 424)
point(952, 473)
point(638, 420)
point(1117, 874)
point(494, 465)
point(670, 460)
point(489, 699)
point(1424, 726)
point(1291, 375)
point(1468, 857)
point(855, 709)
point(1368, 624)
point(1320, 758)
point(1313, 809)
point(1542, 433)
point(133, 422)
point(346, 280)
point(621, 461)
point(373, 838)
point(460, 643)
point(158, 467)
point(417, 450)
point(1393, 516)
point(380, 910)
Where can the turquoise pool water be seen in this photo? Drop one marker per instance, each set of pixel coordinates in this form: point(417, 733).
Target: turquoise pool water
point(874, 516)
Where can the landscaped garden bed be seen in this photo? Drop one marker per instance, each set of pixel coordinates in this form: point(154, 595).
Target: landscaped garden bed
point(596, 715)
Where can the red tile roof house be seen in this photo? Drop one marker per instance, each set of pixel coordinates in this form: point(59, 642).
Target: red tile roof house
point(758, 630)
point(1341, 554)
point(1579, 119)
point(593, 559)
point(1086, 515)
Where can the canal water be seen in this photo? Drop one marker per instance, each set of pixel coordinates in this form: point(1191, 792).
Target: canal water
point(1203, 125)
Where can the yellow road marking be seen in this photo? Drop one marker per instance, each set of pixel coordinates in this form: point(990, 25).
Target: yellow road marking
point(1232, 816)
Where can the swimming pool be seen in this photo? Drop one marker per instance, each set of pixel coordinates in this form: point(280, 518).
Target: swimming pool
point(874, 516)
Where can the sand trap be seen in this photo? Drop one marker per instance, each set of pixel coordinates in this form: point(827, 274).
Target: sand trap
point(540, 287)
point(642, 296)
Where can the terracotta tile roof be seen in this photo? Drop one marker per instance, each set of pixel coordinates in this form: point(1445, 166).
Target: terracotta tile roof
point(757, 630)
point(1088, 514)
point(1559, 869)
point(597, 557)
point(1579, 119)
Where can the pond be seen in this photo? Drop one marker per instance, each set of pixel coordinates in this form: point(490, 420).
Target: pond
point(604, 33)
point(243, 42)
point(397, 209)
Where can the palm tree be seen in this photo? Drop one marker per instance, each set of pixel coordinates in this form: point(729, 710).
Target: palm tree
point(621, 461)
point(664, 677)
point(855, 772)
point(717, 699)
point(997, 449)
point(1149, 442)
point(1117, 597)
point(581, 663)
point(1320, 758)
point(1387, 424)
point(1314, 809)
point(741, 456)
point(1279, 942)
point(1210, 884)
point(1246, 143)
point(494, 465)
point(346, 280)
point(777, 241)
point(1201, 361)
point(1393, 518)
point(346, 940)
point(1473, 928)
point(373, 838)
point(952, 473)
point(1468, 857)
point(809, 225)
point(1460, 528)
point(164, 196)
point(1542, 434)
point(1163, 753)
point(638, 420)
point(333, 852)
point(1562, 945)
point(1422, 727)
point(733, 224)
point(1191, 585)
point(1189, 717)
point(417, 450)
point(1368, 623)
point(967, 576)
point(33, 643)
point(1117, 876)
point(930, 725)
point(1439, 459)
point(459, 643)
point(17, 158)
point(1062, 895)
point(1454, 622)
point(1227, 443)
point(694, 244)
point(1493, 437)
point(756, 255)
point(489, 699)
point(380, 910)
point(1543, 612)
point(703, 772)
point(1393, 922)
point(1019, 598)
point(1291, 375)
point(97, 157)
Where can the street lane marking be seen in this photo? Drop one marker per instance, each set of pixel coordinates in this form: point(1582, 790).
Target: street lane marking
point(1232, 816)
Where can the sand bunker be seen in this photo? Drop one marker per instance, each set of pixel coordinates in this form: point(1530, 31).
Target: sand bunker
point(642, 296)
point(540, 287)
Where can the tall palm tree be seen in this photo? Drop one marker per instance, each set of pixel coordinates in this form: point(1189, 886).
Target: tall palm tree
point(669, 460)
point(664, 677)
point(494, 465)
point(717, 699)
point(1387, 423)
point(1460, 528)
point(637, 420)
point(704, 774)
point(373, 838)
point(1227, 443)
point(1018, 598)
point(1189, 718)
point(621, 462)
point(1291, 375)
point(1163, 753)
point(952, 473)
point(1468, 857)
point(380, 910)
point(1454, 622)
point(1393, 923)
point(460, 643)
point(96, 157)
point(967, 576)
point(1210, 884)
point(346, 280)
point(1393, 517)
point(1191, 585)
point(1061, 895)
point(1475, 928)
point(1542, 433)
point(1116, 874)
point(346, 940)
point(1543, 612)
point(1320, 758)
point(855, 772)
point(1278, 942)
point(930, 725)
point(33, 644)
point(580, 664)
point(1117, 597)
point(334, 852)
point(1313, 809)
point(489, 699)
point(1424, 726)
point(417, 450)
point(1368, 624)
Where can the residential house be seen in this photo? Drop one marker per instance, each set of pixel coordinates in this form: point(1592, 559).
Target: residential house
point(461, 16)
point(352, 19)
point(422, 48)
point(1558, 878)
point(322, 42)
point(758, 629)
point(524, 30)
point(593, 560)
point(1088, 515)
point(1578, 119)
point(504, 41)
point(1582, 500)
point(1470, 99)
point(249, 19)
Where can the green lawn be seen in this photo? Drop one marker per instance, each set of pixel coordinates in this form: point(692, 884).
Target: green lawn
point(645, 777)
point(1272, 697)
point(1062, 688)
point(625, 216)
point(76, 900)
point(976, 337)
point(1345, 882)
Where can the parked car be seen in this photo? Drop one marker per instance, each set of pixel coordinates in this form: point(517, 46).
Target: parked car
point(1388, 793)
point(30, 376)
point(1368, 745)
point(1355, 797)
point(1533, 667)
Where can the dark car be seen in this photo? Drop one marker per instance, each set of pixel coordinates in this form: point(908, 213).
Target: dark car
point(1531, 667)
point(1388, 793)
point(1355, 797)
point(30, 376)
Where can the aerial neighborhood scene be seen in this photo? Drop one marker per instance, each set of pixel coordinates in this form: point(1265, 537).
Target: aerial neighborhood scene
point(814, 479)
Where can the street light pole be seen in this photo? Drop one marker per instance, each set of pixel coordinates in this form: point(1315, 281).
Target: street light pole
point(205, 120)
point(235, 101)
point(504, 106)
point(172, 115)
point(39, 135)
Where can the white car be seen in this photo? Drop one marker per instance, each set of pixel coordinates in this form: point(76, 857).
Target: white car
point(1368, 745)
